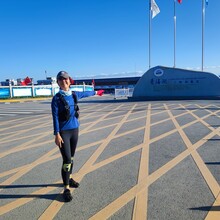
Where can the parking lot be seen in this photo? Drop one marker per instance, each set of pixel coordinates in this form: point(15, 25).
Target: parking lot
point(135, 160)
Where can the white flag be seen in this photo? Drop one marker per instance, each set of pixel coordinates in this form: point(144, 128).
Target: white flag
point(154, 8)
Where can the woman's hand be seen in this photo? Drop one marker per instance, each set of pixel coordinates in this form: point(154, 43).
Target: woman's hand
point(58, 140)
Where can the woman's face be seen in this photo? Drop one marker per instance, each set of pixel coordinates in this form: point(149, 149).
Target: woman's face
point(64, 83)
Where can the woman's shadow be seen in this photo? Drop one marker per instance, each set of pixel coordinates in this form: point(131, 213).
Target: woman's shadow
point(53, 196)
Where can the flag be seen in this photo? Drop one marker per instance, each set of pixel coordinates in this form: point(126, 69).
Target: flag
point(206, 2)
point(154, 8)
point(71, 81)
point(22, 83)
point(93, 82)
point(180, 1)
point(27, 80)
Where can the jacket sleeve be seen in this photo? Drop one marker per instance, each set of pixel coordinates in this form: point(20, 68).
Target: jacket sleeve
point(81, 95)
point(54, 108)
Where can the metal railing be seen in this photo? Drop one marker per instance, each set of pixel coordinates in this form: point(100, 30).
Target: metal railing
point(123, 93)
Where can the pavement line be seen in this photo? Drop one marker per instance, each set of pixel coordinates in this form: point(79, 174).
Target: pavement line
point(17, 112)
point(23, 123)
point(27, 169)
point(6, 114)
point(26, 145)
point(79, 148)
point(210, 180)
point(167, 119)
point(129, 195)
point(86, 130)
point(140, 203)
point(15, 170)
point(214, 212)
point(22, 201)
point(7, 133)
point(107, 119)
point(113, 158)
point(92, 108)
point(154, 176)
point(129, 132)
point(19, 202)
point(100, 119)
point(23, 170)
point(55, 206)
point(197, 142)
point(175, 130)
point(19, 119)
point(114, 206)
point(98, 152)
point(23, 109)
point(9, 139)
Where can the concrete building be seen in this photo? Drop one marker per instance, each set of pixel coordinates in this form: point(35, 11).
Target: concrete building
point(171, 83)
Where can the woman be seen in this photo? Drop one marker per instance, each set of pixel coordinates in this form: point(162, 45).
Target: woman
point(66, 127)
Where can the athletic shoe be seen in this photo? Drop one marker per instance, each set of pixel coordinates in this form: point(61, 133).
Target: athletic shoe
point(67, 195)
point(73, 183)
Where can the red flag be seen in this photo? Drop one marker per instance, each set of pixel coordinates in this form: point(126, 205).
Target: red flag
point(180, 1)
point(22, 83)
point(27, 80)
point(93, 82)
point(71, 81)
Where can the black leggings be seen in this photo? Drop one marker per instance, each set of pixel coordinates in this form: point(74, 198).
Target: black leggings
point(70, 139)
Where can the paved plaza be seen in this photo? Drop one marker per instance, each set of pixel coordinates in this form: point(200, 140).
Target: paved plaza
point(154, 160)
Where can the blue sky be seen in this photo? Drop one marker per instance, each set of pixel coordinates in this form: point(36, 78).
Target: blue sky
point(103, 38)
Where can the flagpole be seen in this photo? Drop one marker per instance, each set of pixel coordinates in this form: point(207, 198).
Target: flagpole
point(153, 11)
point(203, 19)
point(150, 16)
point(174, 17)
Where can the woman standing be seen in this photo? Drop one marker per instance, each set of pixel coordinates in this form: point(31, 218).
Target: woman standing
point(66, 127)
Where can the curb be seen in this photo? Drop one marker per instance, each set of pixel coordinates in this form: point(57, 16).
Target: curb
point(8, 101)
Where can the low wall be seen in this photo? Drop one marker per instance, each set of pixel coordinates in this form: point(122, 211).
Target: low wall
point(37, 90)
